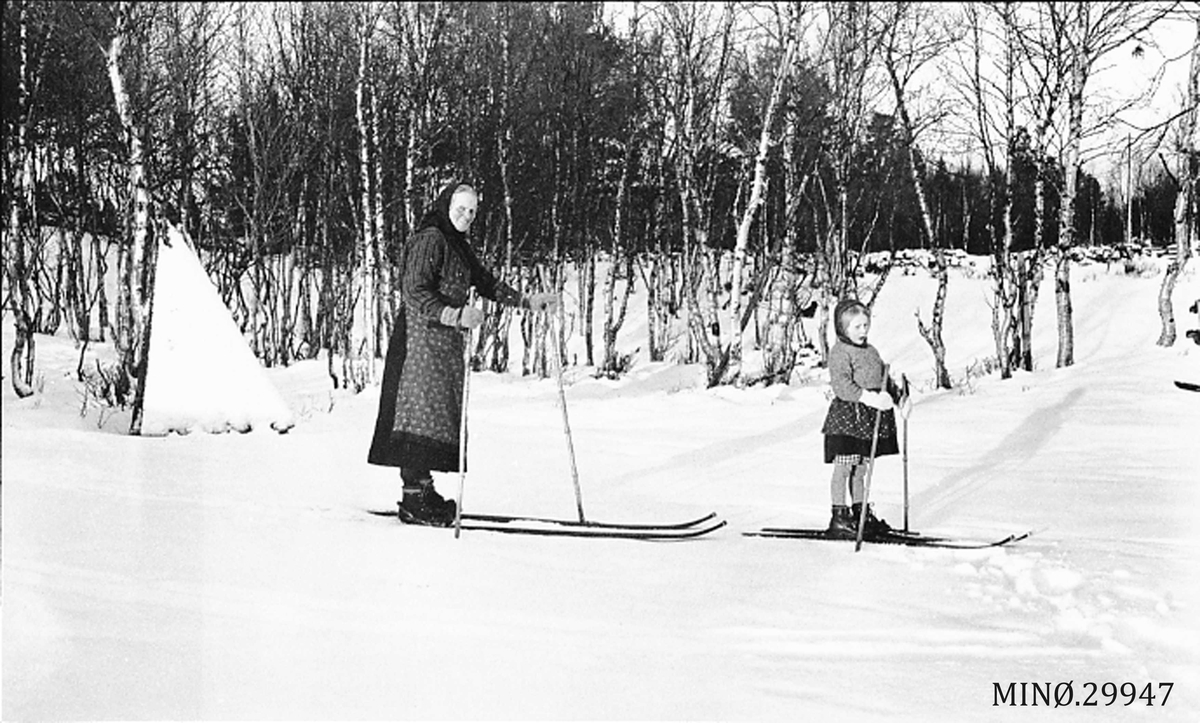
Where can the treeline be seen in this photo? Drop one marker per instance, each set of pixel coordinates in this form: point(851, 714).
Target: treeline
point(737, 159)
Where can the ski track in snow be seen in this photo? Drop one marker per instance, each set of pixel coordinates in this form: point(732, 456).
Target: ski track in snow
point(1029, 436)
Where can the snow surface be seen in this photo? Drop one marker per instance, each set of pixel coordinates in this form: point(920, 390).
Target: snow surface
point(238, 576)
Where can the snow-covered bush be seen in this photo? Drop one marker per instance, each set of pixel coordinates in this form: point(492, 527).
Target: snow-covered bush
point(976, 370)
point(104, 388)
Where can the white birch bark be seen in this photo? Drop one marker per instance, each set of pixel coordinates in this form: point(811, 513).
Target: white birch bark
point(1185, 201)
point(383, 276)
point(20, 219)
point(758, 189)
point(932, 333)
point(1071, 167)
point(137, 255)
point(365, 344)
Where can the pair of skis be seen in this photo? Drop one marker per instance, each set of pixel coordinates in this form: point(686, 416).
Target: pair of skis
point(894, 537)
point(554, 527)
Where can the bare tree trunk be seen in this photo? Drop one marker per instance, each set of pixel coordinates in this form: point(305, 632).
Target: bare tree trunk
point(1185, 201)
point(933, 333)
point(101, 261)
point(1066, 226)
point(21, 222)
point(620, 260)
point(698, 87)
point(916, 170)
point(653, 265)
point(139, 247)
point(384, 308)
point(586, 282)
point(410, 166)
point(420, 37)
point(504, 141)
point(365, 344)
point(1004, 295)
point(1091, 30)
point(852, 49)
point(615, 310)
point(1029, 275)
point(780, 355)
point(758, 189)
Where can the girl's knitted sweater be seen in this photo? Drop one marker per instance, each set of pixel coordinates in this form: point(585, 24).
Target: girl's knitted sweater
point(854, 369)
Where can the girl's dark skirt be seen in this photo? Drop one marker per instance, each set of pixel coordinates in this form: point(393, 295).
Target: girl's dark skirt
point(849, 427)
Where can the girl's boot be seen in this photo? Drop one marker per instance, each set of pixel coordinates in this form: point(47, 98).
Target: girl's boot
point(841, 524)
point(874, 527)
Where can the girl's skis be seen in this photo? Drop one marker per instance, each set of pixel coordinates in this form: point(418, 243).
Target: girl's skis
point(895, 537)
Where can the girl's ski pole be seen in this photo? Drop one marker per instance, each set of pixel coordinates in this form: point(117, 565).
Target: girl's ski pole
point(905, 459)
point(862, 513)
point(904, 391)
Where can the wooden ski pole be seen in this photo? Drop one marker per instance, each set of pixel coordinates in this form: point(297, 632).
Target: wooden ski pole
point(559, 350)
point(862, 513)
point(468, 342)
point(904, 457)
point(904, 412)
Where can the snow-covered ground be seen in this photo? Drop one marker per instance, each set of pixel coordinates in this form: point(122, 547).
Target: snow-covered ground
point(239, 576)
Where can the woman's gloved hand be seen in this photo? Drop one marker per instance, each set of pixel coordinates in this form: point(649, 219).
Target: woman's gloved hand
point(467, 317)
point(546, 301)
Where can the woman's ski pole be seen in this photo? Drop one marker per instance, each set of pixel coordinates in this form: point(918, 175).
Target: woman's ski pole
point(559, 351)
point(468, 342)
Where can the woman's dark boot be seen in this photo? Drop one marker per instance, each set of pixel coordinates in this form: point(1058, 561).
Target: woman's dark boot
point(422, 505)
point(447, 508)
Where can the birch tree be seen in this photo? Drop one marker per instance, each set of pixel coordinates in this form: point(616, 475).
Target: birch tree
point(138, 251)
point(1188, 153)
point(1041, 72)
point(420, 35)
point(758, 185)
point(698, 61)
point(371, 285)
point(986, 88)
point(22, 224)
point(501, 81)
point(1092, 30)
point(914, 37)
point(849, 56)
point(621, 255)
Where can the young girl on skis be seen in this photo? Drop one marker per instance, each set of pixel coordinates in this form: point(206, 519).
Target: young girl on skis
point(862, 392)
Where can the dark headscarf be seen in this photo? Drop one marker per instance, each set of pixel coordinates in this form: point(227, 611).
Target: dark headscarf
point(438, 216)
point(839, 312)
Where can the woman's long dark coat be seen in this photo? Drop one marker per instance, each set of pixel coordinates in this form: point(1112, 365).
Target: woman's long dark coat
point(420, 403)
